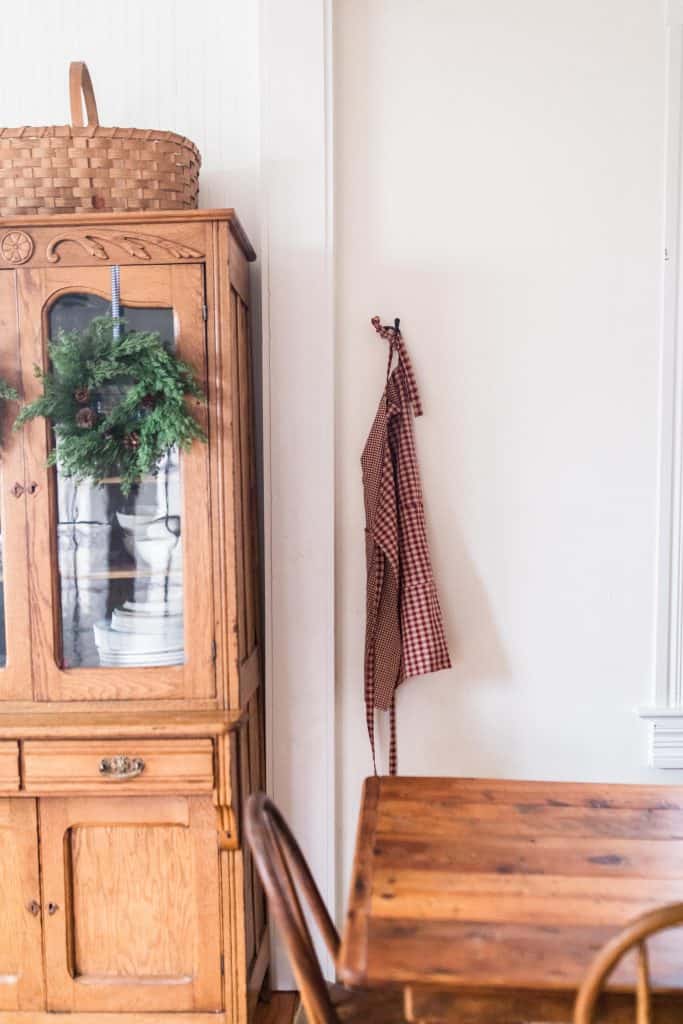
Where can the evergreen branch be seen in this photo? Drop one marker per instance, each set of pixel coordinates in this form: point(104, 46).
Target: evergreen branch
point(117, 405)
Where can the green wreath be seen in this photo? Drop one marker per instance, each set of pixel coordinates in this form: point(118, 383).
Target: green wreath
point(116, 405)
point(7, 392)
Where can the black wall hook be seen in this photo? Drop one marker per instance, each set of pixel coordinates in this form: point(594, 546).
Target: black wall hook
point(395, 328)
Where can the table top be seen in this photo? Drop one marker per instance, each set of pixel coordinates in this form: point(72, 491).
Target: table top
point(480, 884)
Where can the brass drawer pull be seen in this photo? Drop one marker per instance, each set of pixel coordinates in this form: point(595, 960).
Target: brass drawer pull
point(33, 907)
point(121, 767)
point(52, 908)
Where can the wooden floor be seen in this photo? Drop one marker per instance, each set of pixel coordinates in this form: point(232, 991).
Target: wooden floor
point(280, 1009)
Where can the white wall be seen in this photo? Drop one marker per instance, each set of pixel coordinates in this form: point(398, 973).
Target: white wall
point(299, 428)
point(499, 172)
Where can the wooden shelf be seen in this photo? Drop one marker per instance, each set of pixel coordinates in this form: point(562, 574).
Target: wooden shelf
point(76, 724)
point(147, 478)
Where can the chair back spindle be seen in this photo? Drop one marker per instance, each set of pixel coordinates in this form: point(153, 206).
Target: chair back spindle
point(633, 937)
point(285, 876)
point(643, 999)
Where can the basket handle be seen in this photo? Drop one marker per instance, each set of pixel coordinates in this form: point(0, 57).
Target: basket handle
point(80, 82)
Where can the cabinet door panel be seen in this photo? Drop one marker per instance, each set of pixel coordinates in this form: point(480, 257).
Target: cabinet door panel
point(136, 885)
point(21, 963)
point(15, 656)
point(121, 586)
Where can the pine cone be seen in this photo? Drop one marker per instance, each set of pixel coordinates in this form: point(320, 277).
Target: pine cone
point(132, 440)
point(86, 418)
point(148, 402)
point(82, 395)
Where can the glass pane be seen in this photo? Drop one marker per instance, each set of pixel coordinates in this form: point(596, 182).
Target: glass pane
point(120, 557)
point(3, 642)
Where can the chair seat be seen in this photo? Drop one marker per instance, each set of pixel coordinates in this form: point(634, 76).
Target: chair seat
point(363, 1006)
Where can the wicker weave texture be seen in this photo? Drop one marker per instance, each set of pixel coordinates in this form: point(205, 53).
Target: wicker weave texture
point(70, 169)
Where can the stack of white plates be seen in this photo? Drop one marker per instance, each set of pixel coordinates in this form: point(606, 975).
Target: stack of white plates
point(152, 540)
point(141, 633)
point(147, 632)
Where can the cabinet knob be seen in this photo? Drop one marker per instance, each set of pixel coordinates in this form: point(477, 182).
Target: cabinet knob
point(120, 767)
point(33, 907)
point(52, 908)
point(32, 488)
point(17, 490)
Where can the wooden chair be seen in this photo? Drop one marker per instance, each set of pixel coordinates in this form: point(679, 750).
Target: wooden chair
point(633, 936)
point(285, 874)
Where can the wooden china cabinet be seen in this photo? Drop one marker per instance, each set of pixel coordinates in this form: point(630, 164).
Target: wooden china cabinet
point(131, 721)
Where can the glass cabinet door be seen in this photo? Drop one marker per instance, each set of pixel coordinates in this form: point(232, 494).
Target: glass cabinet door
point(125, 620)
point(15, 653)
point(119, 556)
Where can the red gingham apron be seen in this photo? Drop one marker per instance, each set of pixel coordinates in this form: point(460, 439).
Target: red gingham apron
point(404, 634)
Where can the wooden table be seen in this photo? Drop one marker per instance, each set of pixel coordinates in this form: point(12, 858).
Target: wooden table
point(486, 900)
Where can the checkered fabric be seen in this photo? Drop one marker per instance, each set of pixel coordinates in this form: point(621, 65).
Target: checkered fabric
point(404, 634)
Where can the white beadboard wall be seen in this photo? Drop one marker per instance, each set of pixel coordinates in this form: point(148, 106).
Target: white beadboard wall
point(192, 68)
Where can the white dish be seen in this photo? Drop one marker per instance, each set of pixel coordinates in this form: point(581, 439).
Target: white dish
point(168, 652)
point(174, 606)
point(142, 656)
point(173, 647)
point(162, 555)
point(156, 528)
point(111, 641)
point(143, 514)
point(141, 661)
point(131, 622)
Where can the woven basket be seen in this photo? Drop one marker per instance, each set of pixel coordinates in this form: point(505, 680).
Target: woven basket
point(78, 169)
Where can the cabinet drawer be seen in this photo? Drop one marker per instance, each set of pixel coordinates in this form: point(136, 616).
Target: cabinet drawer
point(9, 766)
point(115, 766)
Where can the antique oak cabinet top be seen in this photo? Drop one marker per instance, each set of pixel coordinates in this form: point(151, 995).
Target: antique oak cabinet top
point(24, 245)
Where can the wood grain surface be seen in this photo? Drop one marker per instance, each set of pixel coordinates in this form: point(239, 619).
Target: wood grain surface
point(464, 886)
point(114, 723)
point(9, 766)
point(180, 288)
point(15, 674)
point(21, 966)
point(73, 766)
point(135, 900)
point(136, 891)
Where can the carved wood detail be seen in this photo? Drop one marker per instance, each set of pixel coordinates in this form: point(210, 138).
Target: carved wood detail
point(133, 244)
point(16, 247)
